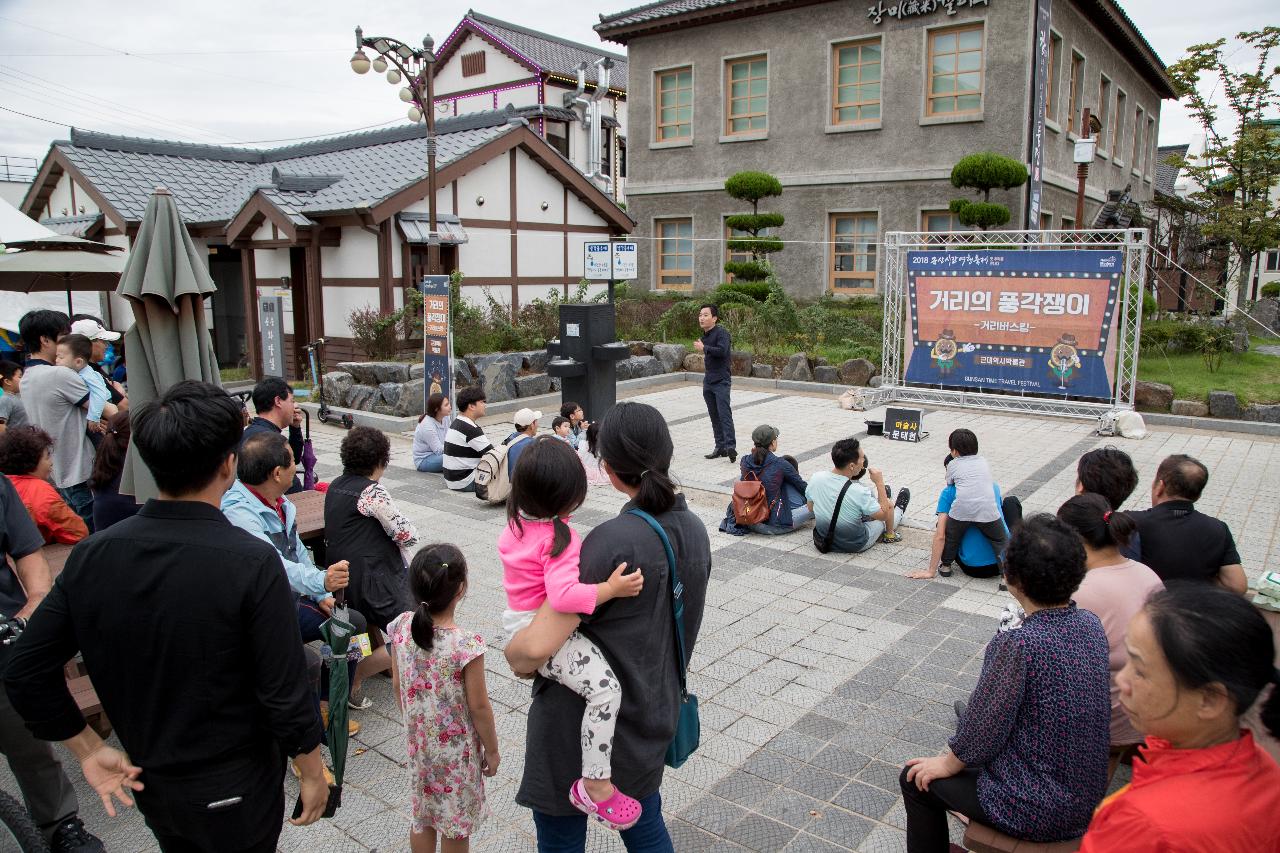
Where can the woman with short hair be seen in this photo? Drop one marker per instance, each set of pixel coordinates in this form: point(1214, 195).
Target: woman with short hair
point(1029, 756)
point(26, 457)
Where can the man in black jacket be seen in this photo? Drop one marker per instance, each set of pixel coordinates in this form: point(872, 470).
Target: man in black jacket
point(276, 408)
point(190, 634)
point(716, 347)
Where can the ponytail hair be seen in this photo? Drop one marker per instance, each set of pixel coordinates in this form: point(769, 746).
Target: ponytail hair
point(549, 482)
point(635, 441)
point(1098, 524)
point(436, 575)
point(1212, 636)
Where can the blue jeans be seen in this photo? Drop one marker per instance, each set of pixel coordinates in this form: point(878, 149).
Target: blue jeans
point(569, 834)
point(432, 463)
point(80, 499)
point(716, 396)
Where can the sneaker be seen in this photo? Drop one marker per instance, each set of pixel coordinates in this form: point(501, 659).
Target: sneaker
point(72, 837)
point(944, 570)
point(891, 538)
point(904, 498)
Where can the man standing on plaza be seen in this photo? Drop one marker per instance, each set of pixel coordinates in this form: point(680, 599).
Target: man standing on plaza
point(273, 401)
point(716, 348)
point(204, 681)
point(55, 398)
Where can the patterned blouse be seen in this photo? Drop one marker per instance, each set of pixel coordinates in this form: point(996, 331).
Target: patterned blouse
point(1038, 726)
point(375, 502)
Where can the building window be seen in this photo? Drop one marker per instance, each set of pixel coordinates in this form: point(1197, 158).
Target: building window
point(1068, 223)
point(747, 88)
point(1046, 221)
point(557, 136)
point(940, 222)
point(1151, 146)
point(855, 76)
point(1051, 102)
point(606, 151)
point(1138, 127)
point(853, 250)
point(622, 156)
point(1273, 261)
point(955, 71)
point(1073, 94)
point(675, 254)
point(1117, 135)
point(472, 63)
point(1104, 102)
point(674, 104)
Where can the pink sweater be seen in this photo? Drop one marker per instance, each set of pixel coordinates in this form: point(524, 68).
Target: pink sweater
point(531, 575)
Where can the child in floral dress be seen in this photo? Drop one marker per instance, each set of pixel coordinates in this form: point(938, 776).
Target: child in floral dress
point(438, 670)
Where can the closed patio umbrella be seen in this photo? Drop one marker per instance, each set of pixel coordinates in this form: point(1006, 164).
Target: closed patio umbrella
point(166, 281)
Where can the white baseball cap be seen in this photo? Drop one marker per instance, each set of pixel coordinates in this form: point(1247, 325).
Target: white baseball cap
point(524, 417)
point(93, 330)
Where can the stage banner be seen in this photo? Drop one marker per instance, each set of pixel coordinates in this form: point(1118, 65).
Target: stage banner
point(437, 338)
point(1040, 321)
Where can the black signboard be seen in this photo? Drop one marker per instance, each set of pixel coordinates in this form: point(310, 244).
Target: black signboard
point(903, 424)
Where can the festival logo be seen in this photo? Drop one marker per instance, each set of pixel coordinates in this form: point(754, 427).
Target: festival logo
point(944, 352)
point(1063, 360)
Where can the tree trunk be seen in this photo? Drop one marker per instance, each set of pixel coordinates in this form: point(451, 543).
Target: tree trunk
point(1242, 278)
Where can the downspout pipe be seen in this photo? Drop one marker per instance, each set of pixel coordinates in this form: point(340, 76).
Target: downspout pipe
point(596, 136)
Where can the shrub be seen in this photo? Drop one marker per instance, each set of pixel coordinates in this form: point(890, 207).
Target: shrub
point(757, 290)
point(1271, 290)
point(753, 186)
point(980, 214)
point(375, 332)
point(680, 320)
point(984, 172)
point(1166, 337)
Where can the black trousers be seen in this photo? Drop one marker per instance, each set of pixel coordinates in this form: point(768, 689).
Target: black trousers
point(716, 395)
point(956, 529)
point(248, 819)
point(1012, 509)
point(927, 810)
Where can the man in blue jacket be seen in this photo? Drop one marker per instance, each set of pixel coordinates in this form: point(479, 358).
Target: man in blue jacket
point(715, 347)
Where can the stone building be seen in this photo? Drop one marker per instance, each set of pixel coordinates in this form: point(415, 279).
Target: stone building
point(861, 111)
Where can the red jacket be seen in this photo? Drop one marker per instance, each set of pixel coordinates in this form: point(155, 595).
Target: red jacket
point(57, 521)
point(1224, 799)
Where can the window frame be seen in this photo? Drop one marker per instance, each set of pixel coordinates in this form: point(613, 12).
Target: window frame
point(927, 212)
point(833, 84)
point(1075, 90)
point(1139, 129)
point(1104, 104)
point(661, 273)
point(1152, 144)
point(1272, 261)
point(932, 33)
point(1054, 81)
point(1118, 128)
point(727, 134)
point(658, 90)
point(834, 277)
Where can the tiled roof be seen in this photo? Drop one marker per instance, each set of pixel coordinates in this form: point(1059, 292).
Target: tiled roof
point(1167, 174)
point(552, 53)
point(661, 9)
point(72, 226)
point(210, 183)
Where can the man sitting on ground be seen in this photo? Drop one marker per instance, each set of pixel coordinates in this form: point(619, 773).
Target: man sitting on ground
point(1180, 543)
point(274, 402)
point(1108, 471)
point(466, 441)
point(526, 424)
point(866, 514)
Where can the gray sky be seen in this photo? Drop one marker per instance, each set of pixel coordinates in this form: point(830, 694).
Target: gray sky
point(240, 71)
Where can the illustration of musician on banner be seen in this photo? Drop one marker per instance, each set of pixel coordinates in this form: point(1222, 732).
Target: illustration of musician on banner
point(1018, 320)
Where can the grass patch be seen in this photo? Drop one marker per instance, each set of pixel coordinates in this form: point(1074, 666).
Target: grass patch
point(235, 374)
point(1253, 377)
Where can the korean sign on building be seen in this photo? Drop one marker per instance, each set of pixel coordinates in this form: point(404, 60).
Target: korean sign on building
point(903, 9)
point(270, 321)
point(437, 338)
point(1021, 321)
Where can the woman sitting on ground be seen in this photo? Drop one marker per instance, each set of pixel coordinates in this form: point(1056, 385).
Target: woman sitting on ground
point(1199, 656)
point(1029, 756)
point(784, 488)
point(26, 458)
point(109, 506)
point(428, 438)
point(1114, 587)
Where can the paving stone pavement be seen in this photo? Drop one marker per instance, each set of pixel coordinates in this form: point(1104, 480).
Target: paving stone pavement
point(817, 675)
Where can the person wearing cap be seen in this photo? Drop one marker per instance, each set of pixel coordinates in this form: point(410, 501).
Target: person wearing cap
point(100, 336)
point(526, 424)
point(784, 488)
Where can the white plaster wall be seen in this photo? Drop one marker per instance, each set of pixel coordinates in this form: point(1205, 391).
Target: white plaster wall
point(355, 257)
point(493, 182)
point(580, 214)
point(61, 198)
point(535, 185)
point(498, 68)
point(476, 295)
point(530, 292)
point(486, 254)
point(264, 232)
point(576, 242)
point(540, 253)
point(339, 302)
point(444, 202)
point(271, 263)
point(470, 104)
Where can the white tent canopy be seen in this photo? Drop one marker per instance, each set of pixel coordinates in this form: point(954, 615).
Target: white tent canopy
point(16, 225)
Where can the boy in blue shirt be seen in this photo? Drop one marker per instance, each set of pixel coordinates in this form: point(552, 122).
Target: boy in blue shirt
point(74, 352)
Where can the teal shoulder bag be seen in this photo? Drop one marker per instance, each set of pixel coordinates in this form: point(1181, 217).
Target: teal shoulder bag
point(688, 728)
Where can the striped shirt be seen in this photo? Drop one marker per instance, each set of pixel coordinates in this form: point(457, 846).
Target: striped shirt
point(464, 444)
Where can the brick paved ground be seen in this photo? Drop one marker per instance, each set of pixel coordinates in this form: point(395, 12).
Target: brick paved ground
point(817, 675)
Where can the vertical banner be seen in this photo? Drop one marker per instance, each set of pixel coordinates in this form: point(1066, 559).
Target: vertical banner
point(437, 336)
point(1018, 321)
point(1040, 86)
point(270, 322)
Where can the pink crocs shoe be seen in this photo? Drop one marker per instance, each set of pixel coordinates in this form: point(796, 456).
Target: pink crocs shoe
point(619, 812)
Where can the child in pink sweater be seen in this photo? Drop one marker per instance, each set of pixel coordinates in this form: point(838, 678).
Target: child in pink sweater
point(540, 555)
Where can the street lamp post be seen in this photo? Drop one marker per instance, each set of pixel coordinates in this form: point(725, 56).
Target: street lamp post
point(1086, 146)
point(415, 67)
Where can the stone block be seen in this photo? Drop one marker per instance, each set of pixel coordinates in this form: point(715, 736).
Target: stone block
point(535, 360)
point(498, 379)
point(857, 371)
point(336, 385)
point(533, 385)
point(875, 381)
point(671, 356)
point(462, 374)
point(361, 397)
point(820, 361)
point(1153, 396)
point(478, 363)
point(1265, 413)
point(389, 395)
point(762, 371)
point(417, 370)
point(555, 383)
point(413, 400)
point(645, 365)
point(1267, 312)
point(1189, 408)
point(622, 369)
point(739, 363)
point(376, 372)
point(826, 373)
point(640, 347)
point(798, 368)
point(693, 363)
point(1223, 404)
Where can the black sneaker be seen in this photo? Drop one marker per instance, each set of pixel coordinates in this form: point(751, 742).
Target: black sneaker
point(904, 498)
point(944, 570)
point(732, 454)
point(72, 837)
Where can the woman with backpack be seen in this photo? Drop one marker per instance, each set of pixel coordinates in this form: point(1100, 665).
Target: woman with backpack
point(777, 504)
